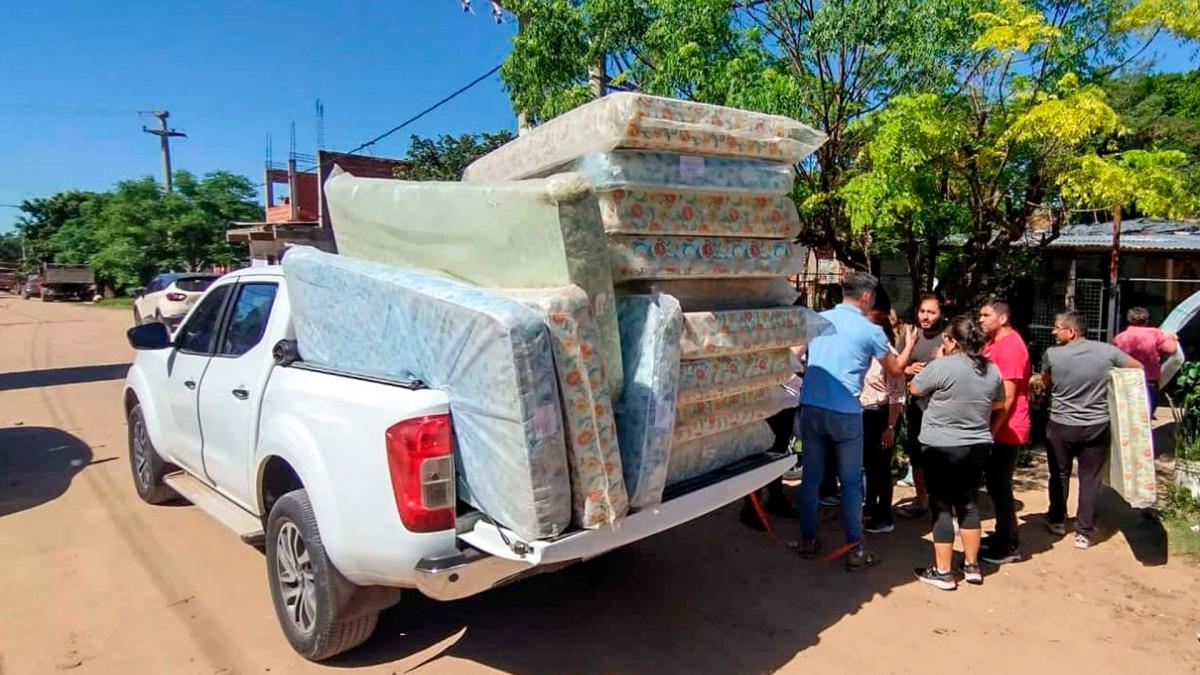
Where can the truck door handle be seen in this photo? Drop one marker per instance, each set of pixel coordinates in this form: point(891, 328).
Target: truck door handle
point(190, 384)
point(241, 394)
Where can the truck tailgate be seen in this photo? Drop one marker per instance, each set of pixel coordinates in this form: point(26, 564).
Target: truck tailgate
point(583, 544)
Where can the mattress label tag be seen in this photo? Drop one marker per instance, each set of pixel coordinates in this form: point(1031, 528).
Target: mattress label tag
point(545, 420)
point(691, 166)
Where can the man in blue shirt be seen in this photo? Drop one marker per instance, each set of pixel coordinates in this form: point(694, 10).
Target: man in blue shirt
point(829, 423)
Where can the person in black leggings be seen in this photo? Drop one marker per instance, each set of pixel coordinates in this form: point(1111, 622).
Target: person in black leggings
point(963, 389)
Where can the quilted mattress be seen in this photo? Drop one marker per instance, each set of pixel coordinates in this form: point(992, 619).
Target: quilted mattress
point(648, 210)
point(705, 418)
point(651, 326)
point(628, 120)
point(695, 458)
point(729, 332)
point(722, 376)
point(697, 295)
point(1131, 462)
point(492, 356)
point(623, 168)
point(597, 486)
point(641, 257)
point(531, 234)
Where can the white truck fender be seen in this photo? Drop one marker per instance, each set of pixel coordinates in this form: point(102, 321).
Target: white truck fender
point(135, 382)
point(287, 438)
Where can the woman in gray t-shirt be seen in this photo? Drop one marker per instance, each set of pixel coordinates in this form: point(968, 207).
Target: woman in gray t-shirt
point(962, 389)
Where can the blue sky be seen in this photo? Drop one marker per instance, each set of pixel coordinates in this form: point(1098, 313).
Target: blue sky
point(75, 74)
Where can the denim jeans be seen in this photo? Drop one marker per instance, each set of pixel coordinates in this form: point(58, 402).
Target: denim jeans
point(825, 434)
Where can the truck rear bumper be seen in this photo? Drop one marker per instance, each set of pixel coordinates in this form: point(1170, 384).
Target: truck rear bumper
point(489, 557)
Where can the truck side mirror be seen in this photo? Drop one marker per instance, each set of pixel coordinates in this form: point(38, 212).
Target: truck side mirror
point(149, 336)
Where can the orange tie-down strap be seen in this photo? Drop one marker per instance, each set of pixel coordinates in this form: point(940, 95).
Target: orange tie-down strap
point(766, 521)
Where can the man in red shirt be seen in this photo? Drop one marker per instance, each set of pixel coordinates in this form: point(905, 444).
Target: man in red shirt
point(1010, 427)
point(1146, 344)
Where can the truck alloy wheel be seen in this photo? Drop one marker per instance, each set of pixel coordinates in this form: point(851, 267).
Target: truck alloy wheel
point(147, 467)
point(313, 601)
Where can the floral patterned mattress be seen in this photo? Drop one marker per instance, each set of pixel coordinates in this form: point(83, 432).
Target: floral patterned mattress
point(597, 486)
point(511, 458)
point(1131, 463)
point(625, 168)
point(702, 295)
point(531, 234)
point(629, 120)
point(695, 458)
point(729, 332)
point(705, 418)
point(722, 376)
point(639, 257)
point(648, 210)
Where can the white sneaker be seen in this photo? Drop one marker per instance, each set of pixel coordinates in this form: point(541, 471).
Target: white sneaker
point(1082, 542)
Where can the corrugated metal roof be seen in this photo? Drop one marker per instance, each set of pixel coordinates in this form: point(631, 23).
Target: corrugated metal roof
point(1139, 234)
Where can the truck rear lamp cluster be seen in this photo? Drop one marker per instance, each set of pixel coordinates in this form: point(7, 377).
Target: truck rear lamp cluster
point(421, 463)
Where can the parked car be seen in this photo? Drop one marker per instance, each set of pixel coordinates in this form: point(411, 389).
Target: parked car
point(342, 479)
point(168, 297)
point(9, 279)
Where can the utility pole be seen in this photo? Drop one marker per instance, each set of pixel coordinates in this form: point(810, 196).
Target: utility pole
point(164, 137)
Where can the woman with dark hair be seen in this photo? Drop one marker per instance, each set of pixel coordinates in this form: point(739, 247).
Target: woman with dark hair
point(963, 389)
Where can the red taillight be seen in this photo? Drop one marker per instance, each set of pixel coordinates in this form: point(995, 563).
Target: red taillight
point(421, 463)
point(176, 297)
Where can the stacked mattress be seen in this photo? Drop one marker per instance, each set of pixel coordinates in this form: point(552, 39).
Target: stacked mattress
point(693, 202)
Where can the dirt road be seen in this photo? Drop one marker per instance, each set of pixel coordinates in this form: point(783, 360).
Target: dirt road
point(94, 581)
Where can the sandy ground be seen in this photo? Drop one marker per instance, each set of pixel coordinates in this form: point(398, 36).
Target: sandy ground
point(94, 581)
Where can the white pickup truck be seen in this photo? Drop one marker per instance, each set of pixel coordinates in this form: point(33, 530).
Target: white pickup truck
point(346, 481)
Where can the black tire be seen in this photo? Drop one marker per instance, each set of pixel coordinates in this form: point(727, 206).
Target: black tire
point(307, 590)
point(137, 317)
point(158, 318)
point(147, 466)
point(45, 295)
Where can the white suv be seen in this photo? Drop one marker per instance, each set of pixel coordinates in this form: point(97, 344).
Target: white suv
point(168, 297)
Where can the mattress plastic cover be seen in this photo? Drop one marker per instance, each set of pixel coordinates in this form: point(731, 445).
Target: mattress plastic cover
point(649, 210)
point(651, 326)
point(705, 418)
point(597, 486)
point(640, 257)
point(623, 168)
point(1131, 460)
point(722, 376)
point(696, 295)
point(629, 120)
point(492, 356)
point(729, 332)
point(704, 455)
point(530, 234)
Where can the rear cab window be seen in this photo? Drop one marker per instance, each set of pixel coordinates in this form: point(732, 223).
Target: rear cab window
point(194, 284)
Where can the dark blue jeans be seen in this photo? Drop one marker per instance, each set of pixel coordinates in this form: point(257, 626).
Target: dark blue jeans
point(828, 436)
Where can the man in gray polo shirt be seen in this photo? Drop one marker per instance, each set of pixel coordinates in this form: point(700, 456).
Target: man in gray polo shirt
point(1077, 373)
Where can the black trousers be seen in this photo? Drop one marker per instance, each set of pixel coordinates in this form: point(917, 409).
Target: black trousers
point(913, 418)
point(1002, 464)
point(877, 461)
point(952, 476)
point(781, 424)
point(1090, 445)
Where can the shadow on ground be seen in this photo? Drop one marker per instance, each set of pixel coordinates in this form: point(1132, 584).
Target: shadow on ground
point(37, 465)
point(53, 377)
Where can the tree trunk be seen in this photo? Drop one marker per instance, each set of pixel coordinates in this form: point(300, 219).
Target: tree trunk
point(1114, 271)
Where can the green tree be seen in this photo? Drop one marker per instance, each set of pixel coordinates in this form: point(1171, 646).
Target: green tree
point(10, 246)
point(1160, 111)
point(445, 158)
point(42, 219)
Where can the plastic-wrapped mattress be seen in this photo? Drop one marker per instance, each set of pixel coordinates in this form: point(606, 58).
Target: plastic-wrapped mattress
point(724, 333)
point(721, 376)
point(492, 355)
point(650, 329)
point(641, 257)
point(597, 487)
point(628, 120)
point(649, 210)
point(529, 234)
point(705, 418)
point(623, 168)
point(1131, 461)
point(695, 458)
